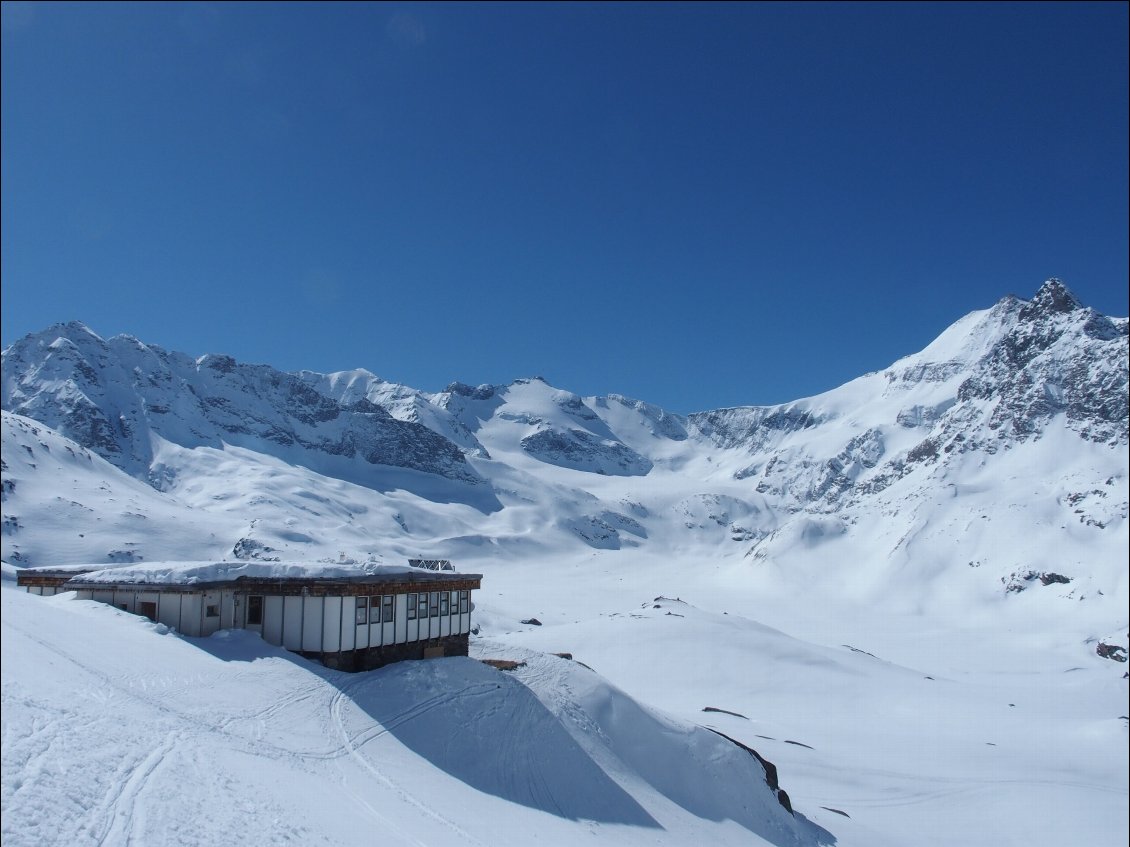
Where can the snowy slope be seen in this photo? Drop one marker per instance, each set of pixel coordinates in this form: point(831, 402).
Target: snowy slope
point(143, 736)
point(63, 503)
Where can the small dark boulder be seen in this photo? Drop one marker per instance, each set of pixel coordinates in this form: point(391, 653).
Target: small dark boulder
point(1114, 652)
point(503, 664)
point(1052, 578)
point(532, 622)
point(723, 711)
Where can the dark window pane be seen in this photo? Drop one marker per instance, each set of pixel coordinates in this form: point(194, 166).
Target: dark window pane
point(362, 615)
point(411, 607)
point(374, 610)
point(388, 613)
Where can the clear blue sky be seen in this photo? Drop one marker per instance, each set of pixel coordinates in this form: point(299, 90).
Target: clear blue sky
point(696, 205)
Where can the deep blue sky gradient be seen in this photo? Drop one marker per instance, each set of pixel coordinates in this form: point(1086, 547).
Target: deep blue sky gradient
point(696, 205)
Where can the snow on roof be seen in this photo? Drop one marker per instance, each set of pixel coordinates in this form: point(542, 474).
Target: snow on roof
point(193, 573)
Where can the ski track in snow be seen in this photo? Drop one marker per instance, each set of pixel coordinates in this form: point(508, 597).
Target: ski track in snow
point(123, 812)
point(353, 744)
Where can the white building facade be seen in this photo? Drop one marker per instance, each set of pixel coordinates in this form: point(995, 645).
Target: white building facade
point(350, 623)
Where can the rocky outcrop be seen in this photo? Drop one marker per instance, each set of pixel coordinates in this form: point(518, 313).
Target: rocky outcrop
point(1114, 652)
point(580, 450)
point(1058, 357)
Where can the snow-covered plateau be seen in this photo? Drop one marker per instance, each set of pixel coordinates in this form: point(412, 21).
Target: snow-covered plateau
point(909, 595)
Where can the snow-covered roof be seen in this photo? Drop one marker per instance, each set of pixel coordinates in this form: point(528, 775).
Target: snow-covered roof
point(184, 574)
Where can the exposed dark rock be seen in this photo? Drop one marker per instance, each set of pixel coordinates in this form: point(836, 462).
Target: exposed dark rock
point(482, 392)
point(925, 451)
point(1053, 296)
point(503, 664)
point(1114, 652)
point(751, 427)
point(783, 799)
point(723, 711)
point(1020, 580)
point(249, 548)
point(532, 622)
point(581, 450)
point(221, 363)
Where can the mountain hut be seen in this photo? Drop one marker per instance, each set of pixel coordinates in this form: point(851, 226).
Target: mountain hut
point(344, 620)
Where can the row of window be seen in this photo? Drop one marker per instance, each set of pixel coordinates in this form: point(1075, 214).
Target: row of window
point(381, 608)
point(434, 604)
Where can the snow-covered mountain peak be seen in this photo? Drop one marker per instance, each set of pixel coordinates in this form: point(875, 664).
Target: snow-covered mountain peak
point(1053, 296)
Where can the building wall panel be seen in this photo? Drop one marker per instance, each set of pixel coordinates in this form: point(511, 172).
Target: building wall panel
point(312, 624)
point(331, 624)
point(292, 622)
point(348, 623)
point(232, 614)
point(272, 619)
point(190, 612)
point(400, 617)
point(168, 610)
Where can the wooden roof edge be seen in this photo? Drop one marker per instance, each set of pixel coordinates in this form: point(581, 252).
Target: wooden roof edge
point(292, 585)
point(45, 576)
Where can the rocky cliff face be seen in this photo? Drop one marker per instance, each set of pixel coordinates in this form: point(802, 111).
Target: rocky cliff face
point(1056, 357)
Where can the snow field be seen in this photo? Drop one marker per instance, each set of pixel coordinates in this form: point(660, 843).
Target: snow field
point(132, 734)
